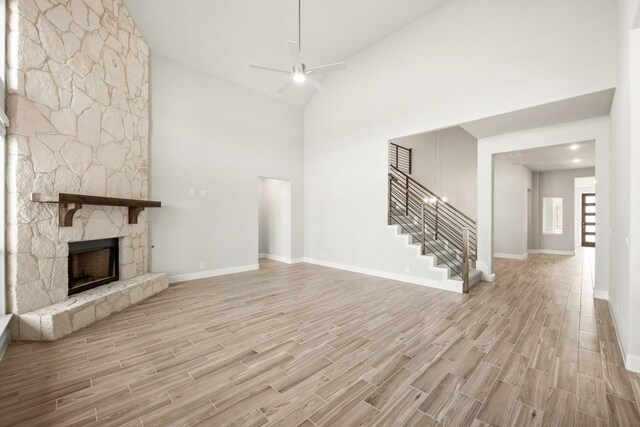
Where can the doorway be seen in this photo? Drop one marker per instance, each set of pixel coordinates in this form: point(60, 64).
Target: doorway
point(588, 219)
point(274, 219)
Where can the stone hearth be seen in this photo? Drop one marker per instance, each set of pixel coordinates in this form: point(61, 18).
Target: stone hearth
point(77, 83)
point(58, 320)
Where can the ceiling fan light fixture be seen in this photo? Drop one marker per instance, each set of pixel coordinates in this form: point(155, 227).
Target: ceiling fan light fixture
point(299, 73)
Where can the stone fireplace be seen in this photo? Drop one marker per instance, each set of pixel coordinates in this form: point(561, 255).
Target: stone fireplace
point(77, 83)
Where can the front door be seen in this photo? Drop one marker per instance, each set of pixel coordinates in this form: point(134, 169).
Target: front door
point(588, 219)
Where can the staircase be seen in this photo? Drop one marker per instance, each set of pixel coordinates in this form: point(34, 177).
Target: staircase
point(432, 225)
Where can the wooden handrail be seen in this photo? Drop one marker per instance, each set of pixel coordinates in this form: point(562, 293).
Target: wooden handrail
point(435, 194)
point(405, 189)
point(448, 226)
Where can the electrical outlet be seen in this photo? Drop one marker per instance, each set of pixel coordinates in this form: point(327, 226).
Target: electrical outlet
point(322, 255)
point(616, 307)
point(191, 192)
point(201, 193)
point(202, 265)
point(407, 269)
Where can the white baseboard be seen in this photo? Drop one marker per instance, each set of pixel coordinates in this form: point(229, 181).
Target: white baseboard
point(212, 273)
point(488, 277)
point(631, 361)
point(601, 294)
point(281, 258)
point(511, 256)
point(551, 252)
point(447, 285)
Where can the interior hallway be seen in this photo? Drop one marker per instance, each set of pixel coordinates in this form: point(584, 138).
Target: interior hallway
point(307, 345)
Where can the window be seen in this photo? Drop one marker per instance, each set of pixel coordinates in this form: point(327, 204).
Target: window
point(552, 215)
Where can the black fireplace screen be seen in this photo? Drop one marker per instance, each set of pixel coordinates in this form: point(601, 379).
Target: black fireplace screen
point(92, 263)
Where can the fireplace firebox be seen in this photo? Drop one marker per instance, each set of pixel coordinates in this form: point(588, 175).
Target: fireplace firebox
point(92, 263)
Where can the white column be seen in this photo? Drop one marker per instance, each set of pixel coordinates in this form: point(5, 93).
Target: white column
point(485, 212)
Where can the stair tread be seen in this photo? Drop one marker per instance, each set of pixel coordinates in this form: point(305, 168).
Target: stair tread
point(444, 256)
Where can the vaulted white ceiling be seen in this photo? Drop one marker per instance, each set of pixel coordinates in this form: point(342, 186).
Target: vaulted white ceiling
point(223, 36)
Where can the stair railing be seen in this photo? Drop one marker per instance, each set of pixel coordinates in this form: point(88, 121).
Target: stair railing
point(465, 260)
point(400, 157)
point(454, 233)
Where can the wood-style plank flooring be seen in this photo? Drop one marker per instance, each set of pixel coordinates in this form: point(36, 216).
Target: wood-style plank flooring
point(312, 346)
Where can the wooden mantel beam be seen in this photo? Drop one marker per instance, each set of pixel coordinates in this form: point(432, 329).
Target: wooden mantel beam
point(69, 203)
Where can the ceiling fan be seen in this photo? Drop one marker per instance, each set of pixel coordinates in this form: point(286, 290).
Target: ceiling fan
point(299, 73)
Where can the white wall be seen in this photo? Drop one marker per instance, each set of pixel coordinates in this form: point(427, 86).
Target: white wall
point(527, 188)
point(624, 290)
point(274, 201)
point(467, 60)
point(446, 162)
point(561, 184)
point(510, 185)
point(210, 135)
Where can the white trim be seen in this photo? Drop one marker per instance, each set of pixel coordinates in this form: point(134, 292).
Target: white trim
point(615, 326)
point(599, 294)
point(511, 256)
point(631, 361)
point(280, 258)
point(212, 273)
point(552, 252)
point(447, 285)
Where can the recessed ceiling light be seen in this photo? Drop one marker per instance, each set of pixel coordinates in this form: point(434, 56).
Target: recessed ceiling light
point(515, 155)
point(576, 160)
point(574, 147)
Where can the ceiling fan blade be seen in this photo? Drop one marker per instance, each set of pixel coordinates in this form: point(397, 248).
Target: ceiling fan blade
point(267, 68)
point(328, 68)
point(294, 51)
point(285, 86)
point(317, 85)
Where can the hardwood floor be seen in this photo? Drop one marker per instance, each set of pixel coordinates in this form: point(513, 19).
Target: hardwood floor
point(311, 346)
